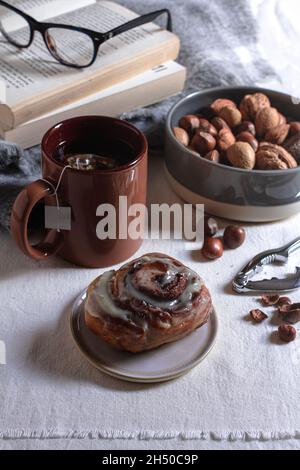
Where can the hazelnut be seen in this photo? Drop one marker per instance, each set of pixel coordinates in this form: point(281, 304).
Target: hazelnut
point(206, 126)
point(287, 333)
point(249, 138)
point(213, 156)
point(210, 226)
point(189, 123)
point(219, 123)
point(220, 103)
point(294, 128)
point(277, 135)
point(258, 316)
point(203, 142)
point(234, 236)
point(241, 155)
point(181, 135)
point(225, 139)
point(245, 126)
point(252, 104)
point(266, 119)
point(231, 116)
point(212, 248)
point(273, 157)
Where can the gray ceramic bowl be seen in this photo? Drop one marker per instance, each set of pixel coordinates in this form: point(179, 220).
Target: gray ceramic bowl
point(228, 192)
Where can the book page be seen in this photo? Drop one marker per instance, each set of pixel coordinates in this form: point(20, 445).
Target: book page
point(29, 72)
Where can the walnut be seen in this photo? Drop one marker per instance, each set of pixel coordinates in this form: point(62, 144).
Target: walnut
point(292, 145)
point(241, 155)
point(277, 135)
point(273, 157)
point(266, 119)
point(252, 104)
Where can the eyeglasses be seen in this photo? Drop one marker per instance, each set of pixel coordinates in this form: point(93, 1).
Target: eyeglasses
point(69, 45)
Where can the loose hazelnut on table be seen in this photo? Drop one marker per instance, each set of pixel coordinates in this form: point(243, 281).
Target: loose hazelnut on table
point(189, 123)
point(241, 155)
point(203, 142)
point(234, 236)
point(181, 135)
point(287, 333)
point(212, 248)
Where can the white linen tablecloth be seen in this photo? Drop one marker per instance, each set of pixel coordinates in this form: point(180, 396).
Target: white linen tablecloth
point(244, 395)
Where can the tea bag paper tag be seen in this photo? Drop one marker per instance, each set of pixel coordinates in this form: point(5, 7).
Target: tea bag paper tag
point(58, 218)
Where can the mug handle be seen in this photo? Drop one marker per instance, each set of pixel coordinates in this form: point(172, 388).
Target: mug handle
point(21, 211)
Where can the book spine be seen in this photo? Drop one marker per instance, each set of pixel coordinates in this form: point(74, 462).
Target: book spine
point(32, 109)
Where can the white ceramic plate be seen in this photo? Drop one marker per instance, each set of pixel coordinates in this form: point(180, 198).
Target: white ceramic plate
point(158, 365)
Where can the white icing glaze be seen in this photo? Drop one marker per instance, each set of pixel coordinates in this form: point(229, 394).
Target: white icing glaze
point(101, 300)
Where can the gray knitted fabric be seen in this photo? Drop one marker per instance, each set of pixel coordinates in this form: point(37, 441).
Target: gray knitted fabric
point(210, 33)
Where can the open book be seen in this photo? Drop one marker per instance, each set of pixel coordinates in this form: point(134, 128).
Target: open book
point(147, 88)
point(32, 83)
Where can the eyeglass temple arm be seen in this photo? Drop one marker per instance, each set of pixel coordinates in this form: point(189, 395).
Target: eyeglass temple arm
point(148, 18)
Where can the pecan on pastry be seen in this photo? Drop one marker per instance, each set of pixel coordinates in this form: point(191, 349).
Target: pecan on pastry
point(148, 302)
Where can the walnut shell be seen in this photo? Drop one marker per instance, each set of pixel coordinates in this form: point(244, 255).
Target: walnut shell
point(292, 145)
point(252, 104)
point(294, 128)
point(232, 116)
point(277, 135)
point(266, 119)
point(274, 157)
point(241, 155)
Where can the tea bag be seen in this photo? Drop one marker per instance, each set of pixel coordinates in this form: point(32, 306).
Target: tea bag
point(91, 161)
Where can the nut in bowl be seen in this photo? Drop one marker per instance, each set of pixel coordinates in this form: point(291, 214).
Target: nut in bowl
point(241, 155)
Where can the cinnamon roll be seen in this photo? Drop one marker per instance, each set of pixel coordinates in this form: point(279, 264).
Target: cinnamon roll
point(146, 303)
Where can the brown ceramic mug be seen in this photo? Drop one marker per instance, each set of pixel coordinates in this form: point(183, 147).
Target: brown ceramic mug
point(84, 190)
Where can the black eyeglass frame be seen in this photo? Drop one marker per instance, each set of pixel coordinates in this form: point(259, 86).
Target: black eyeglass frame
point(97, 38)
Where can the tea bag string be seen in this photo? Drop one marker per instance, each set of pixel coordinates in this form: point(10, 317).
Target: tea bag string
point(56, 188)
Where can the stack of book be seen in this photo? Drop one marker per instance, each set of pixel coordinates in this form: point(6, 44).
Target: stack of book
point(132, 70)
